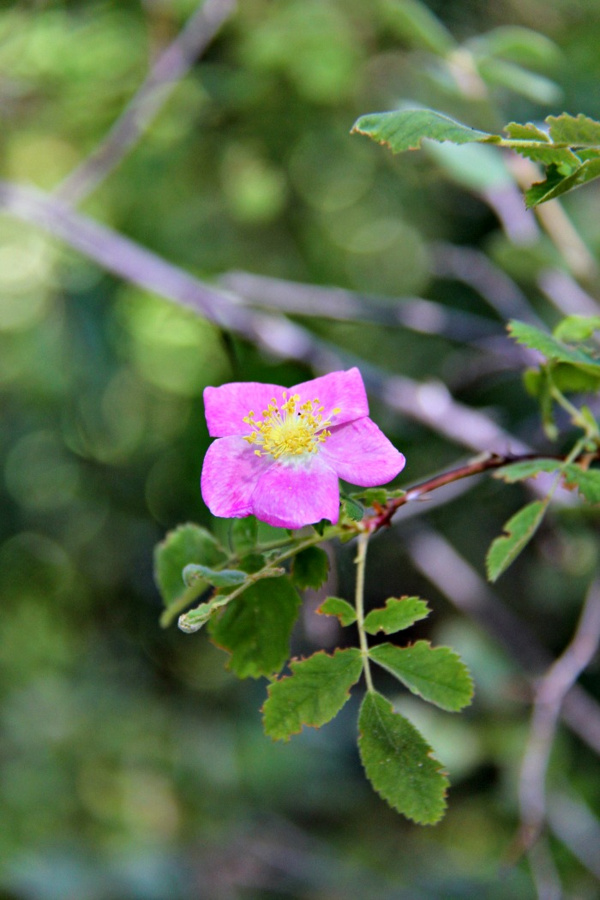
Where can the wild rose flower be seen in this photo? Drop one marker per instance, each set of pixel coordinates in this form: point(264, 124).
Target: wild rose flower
point(280, 451)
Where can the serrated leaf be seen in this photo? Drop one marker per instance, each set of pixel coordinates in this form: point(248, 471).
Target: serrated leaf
point(406, 129)
point(526, 132)
point(587, 482)
point(313, 694)
point(244, 533)
point(545, 343)
point(335, 606)
point(519, 531)
point(255, 627)
point(186, 544)
point(527, 469)
point(310, 568)
point(399, 763)
point(555, 184)
point(574, 329)
point(397, 614)
point(436, 674)
point(576, 131)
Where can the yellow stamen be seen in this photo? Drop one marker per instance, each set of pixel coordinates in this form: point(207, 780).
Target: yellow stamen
point(289, 430)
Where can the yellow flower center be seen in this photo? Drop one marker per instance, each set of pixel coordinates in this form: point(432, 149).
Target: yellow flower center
point(290, 430)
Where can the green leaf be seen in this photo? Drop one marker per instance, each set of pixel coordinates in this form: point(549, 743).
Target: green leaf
point(310, 568)
point(313, 694)
point(545, 343)
point(574, 329)
point(397, 614)
point(519, 531)
point(353, 509)
point(576, 131)
point(220, 578)
point(186, 544)
point(399, 763)
point(244, 534)
point(555, 184)
point(527, 469)
point(527, 132)
point(414, 22)
point(256, 627)
point(517, 44)
point(436, 674)
point(335, 606)
point(587, 482)
point(405, 129)
point(520, 80)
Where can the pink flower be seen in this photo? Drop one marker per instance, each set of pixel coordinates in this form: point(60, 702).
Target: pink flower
point(280, 451)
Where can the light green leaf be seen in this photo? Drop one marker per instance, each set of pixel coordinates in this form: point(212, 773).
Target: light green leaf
point(313, 694)
point(186, 544)
point(517, 44)
point(256, 627)
point(587, 482)
point(220, 578)
point(335, 606)
point(520, 80)
point(527, 132)
point(436, 674)
point(545, 343)
point(519, 531)
point(397, 614)
point(576, 131)
point(310, 568)
point(574, 329)
point(399, 763)
point(526, 469)
point(405, 129)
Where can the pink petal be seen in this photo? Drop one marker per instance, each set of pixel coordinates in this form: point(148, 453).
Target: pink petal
point(293, 496)
point(342, 390)
point(230, 474)
point(361, 454)
point(225, 407)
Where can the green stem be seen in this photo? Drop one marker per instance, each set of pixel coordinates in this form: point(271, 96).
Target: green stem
point(361, 559)
point(578, 419)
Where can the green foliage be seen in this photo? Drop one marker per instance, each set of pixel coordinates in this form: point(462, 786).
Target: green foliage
point(221, 578)
point(399, 762)
point(310, 568)
point(519, 530)
point(335, 606)
point(397, 614)
point(255, 628)
point(570, 151)
point(436, 674)
point(244, 534)
point(313, 694)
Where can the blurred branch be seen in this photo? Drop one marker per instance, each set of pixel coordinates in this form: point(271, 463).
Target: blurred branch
point(550, 693)
point(463, 586)
point(566, 294)
point(414, 313)
point(168, 70)
point(431, 403)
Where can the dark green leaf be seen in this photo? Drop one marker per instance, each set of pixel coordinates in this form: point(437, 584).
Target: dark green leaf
point(186, 544)
point(396, 615)
point(313, 694)
point(405, 129)
point(353, 509)
point(256, 626)
point(335, 606)
point(243, 534)
point(310, 568)
point(435, 673)
point(519, 531)
point(399, 763)
point(555, 184)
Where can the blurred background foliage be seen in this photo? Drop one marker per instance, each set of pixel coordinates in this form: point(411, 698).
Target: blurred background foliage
point(132, 764)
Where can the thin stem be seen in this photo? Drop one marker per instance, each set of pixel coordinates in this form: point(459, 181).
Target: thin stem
point(361, 559)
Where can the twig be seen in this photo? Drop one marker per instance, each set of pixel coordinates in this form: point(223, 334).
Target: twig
point(163, 77)
point(549, 696)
